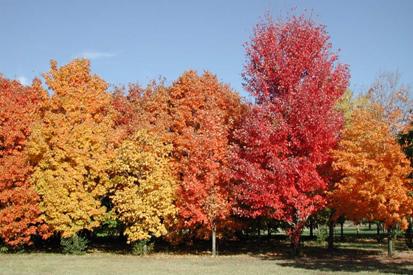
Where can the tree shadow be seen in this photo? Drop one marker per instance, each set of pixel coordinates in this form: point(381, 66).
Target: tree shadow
point(345, 260)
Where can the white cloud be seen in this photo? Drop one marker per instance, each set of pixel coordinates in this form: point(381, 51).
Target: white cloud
point(23, 80)
point(96, 55)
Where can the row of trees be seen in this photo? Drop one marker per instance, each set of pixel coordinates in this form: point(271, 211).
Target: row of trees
point(190, 159)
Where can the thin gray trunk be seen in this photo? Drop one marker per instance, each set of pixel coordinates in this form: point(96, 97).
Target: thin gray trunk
point(214, 241)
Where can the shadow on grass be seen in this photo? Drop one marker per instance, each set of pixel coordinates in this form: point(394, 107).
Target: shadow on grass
point(345, 260)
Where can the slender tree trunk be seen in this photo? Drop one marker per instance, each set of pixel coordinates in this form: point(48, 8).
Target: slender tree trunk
point(409, 233)
point(214, 241)
point(390, 242)
point(378, 232)
point(369, 225)
point(330, 236)
point(342, 231)
point(311, 229)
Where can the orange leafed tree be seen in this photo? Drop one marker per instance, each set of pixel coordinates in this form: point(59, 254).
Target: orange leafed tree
point(196, 115)
point(374, 183)
point(125, 117)
point(20, 214)
point(71, 148)
point(203, 113)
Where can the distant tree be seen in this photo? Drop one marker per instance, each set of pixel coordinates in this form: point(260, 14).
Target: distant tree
point(395, 99)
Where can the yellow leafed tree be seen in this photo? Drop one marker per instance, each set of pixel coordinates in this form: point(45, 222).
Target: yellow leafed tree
point(70, 149)
point(144, 186)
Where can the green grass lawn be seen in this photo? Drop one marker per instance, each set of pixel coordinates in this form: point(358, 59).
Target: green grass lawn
point(127, 264)
point(254, 256)
point(105, 263)
point(365, 256)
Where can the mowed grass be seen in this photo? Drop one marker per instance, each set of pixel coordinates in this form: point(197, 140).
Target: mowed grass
point(361, 254)
point(127, 264)
point(315, 260)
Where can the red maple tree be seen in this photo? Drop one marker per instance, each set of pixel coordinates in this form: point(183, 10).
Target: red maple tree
point(286, 138)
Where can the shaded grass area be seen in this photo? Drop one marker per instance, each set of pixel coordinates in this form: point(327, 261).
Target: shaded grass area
point(361, 255)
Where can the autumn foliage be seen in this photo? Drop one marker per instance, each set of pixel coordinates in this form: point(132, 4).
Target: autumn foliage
point(183, 159)
point(285, 139)
point(374, 185)
point(70, 148)
point(20, 215)
point(196, 115)
point(143, 186)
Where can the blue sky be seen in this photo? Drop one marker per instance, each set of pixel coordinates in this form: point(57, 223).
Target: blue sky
point(136, 41)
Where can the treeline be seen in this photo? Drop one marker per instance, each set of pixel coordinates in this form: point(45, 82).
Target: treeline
point(191, 160)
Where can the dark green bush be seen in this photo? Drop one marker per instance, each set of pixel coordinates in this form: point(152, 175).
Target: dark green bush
point(3, 249)
point(142, 247)
point(322, 234)
point(109, 228)
point(74, 245)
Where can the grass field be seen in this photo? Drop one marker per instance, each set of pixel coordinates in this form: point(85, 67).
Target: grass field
point(259, 256)
point(104, 263)
point(155, 264)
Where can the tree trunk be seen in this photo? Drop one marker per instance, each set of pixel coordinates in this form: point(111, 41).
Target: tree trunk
point(214, 241)
point(342, 231)
point(330, 236)
point(378, 232)
point(390, 242)
point(295, 237)
point(369, 225)
point(409, 234)
point(295, 250)
point(295, 246)
point(311, 230)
